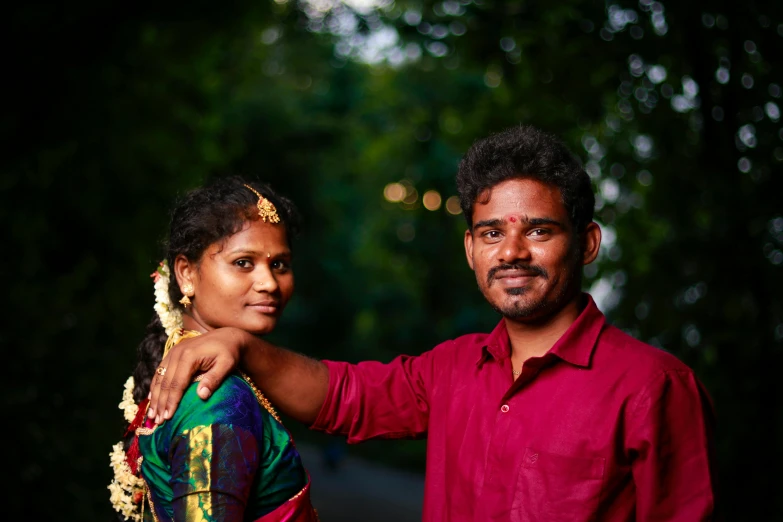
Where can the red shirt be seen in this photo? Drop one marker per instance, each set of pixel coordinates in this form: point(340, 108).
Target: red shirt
point(602, 427)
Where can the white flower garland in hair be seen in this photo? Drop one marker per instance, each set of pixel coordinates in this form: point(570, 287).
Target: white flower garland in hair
point(126, 489)
point(170, 315)
point(128, 406)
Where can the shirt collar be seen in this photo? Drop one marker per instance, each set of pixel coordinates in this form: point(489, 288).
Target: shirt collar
point(575, 346)
point(498, 345)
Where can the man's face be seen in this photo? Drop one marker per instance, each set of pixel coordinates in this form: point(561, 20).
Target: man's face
point(524, 251)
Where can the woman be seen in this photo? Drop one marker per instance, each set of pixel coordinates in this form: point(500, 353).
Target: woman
point(227, 458)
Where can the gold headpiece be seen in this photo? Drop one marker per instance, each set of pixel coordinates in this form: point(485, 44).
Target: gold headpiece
point(265, 208)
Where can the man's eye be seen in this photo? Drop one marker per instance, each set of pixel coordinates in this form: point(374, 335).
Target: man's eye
point(539, 233)
point(492, 234)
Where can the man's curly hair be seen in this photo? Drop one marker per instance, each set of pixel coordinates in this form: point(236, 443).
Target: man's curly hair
point(525, 152)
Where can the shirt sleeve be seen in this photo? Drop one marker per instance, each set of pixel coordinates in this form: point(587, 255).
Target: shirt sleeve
point(374, 400)
point(670, 441)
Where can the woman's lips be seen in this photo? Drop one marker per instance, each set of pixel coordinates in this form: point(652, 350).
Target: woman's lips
point(267, 307)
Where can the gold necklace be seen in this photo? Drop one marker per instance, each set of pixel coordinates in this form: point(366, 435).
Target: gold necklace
point(260, 397)
point(176, 336)
point(515, 373)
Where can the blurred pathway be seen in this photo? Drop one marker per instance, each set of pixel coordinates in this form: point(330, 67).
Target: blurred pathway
point(361, 491)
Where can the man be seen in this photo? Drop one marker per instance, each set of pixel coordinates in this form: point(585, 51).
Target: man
point(553, 416)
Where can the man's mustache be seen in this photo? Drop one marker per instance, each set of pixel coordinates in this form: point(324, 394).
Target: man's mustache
point(528, 269)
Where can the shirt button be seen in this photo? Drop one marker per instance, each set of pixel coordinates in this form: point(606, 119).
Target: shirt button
point(504, 408)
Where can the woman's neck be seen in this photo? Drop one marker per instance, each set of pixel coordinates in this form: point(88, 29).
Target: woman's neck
point(191, 323)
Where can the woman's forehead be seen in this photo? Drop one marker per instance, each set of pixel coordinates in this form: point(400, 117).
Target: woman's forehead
point(254, 235)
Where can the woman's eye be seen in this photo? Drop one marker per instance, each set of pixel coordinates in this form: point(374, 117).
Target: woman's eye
point(243, 263)
point(280, 265)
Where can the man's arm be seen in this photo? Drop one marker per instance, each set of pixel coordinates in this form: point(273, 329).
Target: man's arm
point(670, 439)
point(363, 401)
point(372, 400)
point(296, 384)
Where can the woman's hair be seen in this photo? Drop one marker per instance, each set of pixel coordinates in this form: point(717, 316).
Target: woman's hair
point(202, 217)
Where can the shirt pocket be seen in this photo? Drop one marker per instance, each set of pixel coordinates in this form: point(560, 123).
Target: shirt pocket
point(557, 487)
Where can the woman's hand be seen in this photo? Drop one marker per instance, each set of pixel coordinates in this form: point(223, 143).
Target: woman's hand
point(214, 354)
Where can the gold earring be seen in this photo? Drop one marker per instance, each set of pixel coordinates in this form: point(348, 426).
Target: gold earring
point(185, 301)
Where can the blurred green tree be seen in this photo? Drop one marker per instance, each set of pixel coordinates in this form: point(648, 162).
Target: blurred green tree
point(360, 112)
point(675, 112)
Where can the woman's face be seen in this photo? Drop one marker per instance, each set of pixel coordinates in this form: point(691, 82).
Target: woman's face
point(244, 281)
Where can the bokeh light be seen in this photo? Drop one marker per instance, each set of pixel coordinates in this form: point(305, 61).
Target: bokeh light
point(394, 192)
point(431, 200)
point(411, 194)
point(452, 205)
point(406, 232)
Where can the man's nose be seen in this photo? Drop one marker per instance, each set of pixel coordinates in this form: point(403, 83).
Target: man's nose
point(514, 248)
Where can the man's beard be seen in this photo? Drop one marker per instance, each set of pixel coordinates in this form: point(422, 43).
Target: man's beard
point(544, 305)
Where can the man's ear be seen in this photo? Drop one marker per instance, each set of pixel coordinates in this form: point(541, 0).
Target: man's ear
point(185, 272)
point(591, 242)
point(469, 248)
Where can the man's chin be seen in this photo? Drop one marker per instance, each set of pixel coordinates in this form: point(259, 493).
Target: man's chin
point(521, 309)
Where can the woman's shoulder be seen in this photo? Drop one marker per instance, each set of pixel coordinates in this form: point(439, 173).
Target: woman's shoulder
point(233, 402)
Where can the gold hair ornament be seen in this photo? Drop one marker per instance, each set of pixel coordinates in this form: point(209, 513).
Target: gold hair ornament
point(265, 207)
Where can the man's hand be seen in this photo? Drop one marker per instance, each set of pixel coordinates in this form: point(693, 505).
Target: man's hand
point(297, 385)
point(214, 354)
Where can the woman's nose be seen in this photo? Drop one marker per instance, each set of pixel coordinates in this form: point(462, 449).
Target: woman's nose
point(265, 281)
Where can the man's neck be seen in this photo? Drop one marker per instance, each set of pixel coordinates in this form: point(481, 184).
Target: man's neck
point(536, 338)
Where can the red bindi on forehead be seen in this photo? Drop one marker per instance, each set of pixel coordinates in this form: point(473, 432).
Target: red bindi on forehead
point(513, 219)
